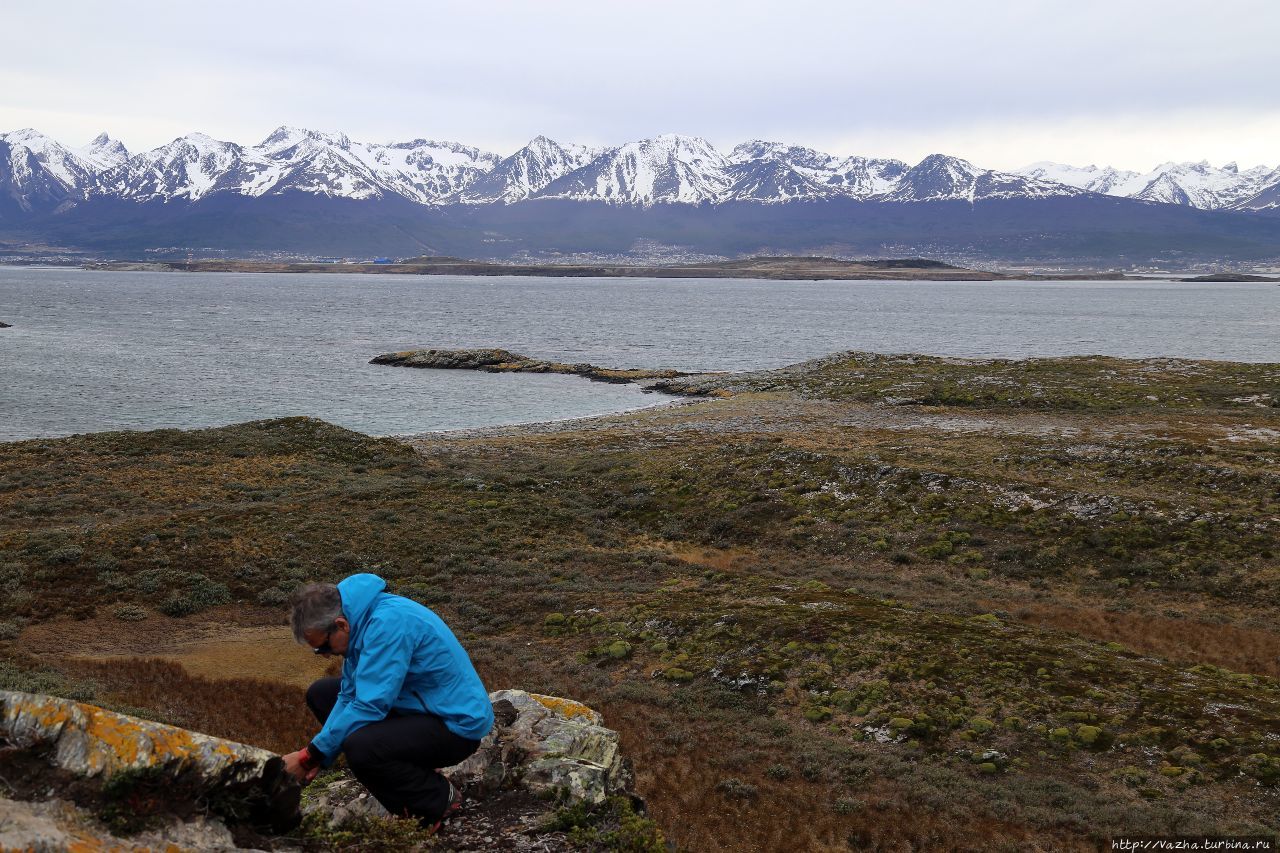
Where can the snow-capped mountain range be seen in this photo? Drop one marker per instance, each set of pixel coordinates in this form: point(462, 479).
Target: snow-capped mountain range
point(1192, 184)
point(39, 174)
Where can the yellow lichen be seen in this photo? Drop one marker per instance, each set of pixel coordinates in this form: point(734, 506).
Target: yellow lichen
point(566, 708)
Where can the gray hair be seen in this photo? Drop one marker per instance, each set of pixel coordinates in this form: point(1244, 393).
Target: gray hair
point(316, 606)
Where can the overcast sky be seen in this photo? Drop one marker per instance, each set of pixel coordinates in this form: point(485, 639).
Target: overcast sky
point(1129, 83)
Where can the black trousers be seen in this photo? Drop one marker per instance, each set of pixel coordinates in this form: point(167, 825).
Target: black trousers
point(396, 758)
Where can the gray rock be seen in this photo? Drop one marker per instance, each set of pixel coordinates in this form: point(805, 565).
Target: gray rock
point(343, 802)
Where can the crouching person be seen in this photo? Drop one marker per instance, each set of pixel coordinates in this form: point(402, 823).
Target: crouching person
point(409, 700)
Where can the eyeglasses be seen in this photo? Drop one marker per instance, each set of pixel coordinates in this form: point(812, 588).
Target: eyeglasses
point(325, 649)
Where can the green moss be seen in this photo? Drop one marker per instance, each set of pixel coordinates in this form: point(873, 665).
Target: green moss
point(1093, 737)
point(612, 826)
point(817, 713)
point(365, 833)
point(981, 725)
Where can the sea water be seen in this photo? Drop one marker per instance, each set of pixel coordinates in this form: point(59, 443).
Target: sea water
point(92, 351)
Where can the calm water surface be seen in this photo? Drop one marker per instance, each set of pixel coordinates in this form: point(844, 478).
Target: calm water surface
point(93, 351)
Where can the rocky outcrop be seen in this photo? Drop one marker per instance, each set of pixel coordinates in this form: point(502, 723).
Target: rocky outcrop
point(76, 776)
point(503, 361)
point(113, 763)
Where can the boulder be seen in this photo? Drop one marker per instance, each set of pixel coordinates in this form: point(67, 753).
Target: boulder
point(546, 744)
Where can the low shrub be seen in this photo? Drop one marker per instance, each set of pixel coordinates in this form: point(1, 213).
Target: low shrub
point(129, 612)
point(200, 594)
point(736, 788)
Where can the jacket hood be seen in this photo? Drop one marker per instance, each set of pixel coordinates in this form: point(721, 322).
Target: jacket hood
point(358, 593)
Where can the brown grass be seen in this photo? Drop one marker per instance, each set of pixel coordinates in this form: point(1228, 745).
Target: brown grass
point(682, 794)
point(263, 713)
point(1184, 640)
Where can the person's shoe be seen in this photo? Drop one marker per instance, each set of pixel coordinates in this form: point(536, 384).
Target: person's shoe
point(450, 811)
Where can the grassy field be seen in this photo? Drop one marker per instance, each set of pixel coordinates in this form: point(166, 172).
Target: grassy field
point(871, 602)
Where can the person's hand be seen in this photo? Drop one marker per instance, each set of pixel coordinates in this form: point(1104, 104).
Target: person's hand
point(295, 764)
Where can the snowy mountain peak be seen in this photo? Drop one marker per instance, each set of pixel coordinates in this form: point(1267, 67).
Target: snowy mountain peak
point(203, 143)
point(953, 165)
point(287, 137)
point(104, 152)
point(25, 136)
point(526, 172)
point(940, 177)
point(796, 155)
point(36, 159)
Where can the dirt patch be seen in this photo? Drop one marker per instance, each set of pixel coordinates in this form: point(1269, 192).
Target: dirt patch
point(721, 559)
point(214, 647)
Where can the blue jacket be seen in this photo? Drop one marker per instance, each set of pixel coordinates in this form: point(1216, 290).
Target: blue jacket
point(400, 656)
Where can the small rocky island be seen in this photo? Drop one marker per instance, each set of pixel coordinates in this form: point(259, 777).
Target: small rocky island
point(1230, 277)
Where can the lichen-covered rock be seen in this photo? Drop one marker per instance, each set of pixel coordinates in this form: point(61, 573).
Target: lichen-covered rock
point(545, 743)
point(93, 743)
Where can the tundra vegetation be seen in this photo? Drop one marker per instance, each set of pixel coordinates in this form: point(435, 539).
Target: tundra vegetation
point(873, 601)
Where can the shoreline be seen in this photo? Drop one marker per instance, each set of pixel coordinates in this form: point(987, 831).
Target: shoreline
point(759, 268)
point(679, 389)
point(524, 428)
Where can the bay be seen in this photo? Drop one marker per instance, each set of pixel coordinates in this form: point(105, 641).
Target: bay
point(93, 351)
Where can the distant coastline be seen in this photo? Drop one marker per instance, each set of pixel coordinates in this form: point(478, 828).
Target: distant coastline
point(776, 268)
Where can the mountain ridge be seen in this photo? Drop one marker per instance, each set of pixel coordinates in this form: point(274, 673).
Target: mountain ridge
point(41, 174)
point(304, 193)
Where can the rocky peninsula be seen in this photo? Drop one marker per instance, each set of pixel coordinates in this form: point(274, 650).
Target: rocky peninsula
point(503, 361)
